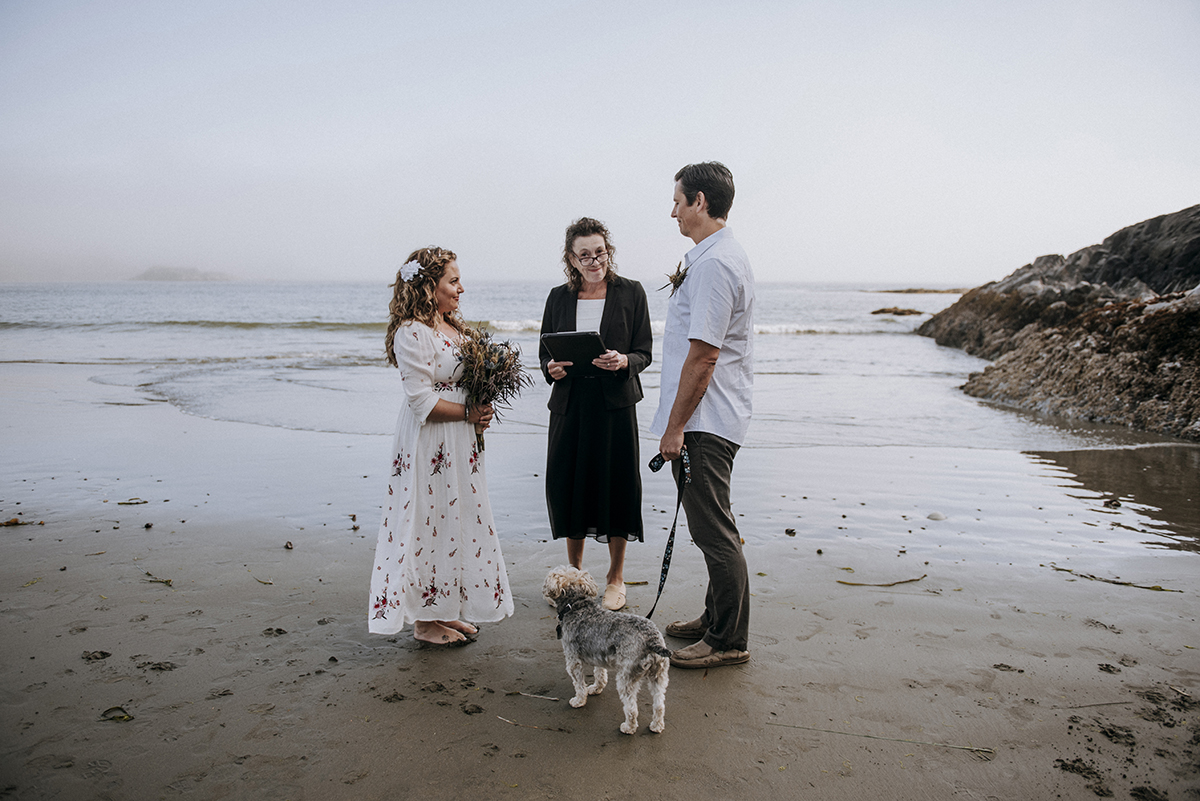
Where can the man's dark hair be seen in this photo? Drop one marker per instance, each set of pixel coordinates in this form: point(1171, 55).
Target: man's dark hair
point(713, 179)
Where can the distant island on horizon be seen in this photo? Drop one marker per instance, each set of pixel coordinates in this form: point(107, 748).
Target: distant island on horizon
point(919, 291)
point(180, 274)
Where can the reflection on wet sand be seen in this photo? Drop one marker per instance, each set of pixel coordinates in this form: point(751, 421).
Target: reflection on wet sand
point(1162, 480)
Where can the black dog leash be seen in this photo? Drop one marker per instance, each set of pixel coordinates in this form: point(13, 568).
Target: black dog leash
point(655, 465)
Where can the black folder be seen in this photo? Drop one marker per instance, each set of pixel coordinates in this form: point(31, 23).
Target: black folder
point(579, 347)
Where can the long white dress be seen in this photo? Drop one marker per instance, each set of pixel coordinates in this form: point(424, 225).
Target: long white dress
point(438, 556)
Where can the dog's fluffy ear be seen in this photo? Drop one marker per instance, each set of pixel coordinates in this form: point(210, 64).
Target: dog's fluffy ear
point(588, 584)
point(563, 576)
point(556, 581)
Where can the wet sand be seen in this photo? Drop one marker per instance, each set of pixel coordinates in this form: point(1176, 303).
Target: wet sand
point(1028, 658)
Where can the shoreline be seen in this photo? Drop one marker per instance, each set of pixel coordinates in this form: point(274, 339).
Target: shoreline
point(235, 686)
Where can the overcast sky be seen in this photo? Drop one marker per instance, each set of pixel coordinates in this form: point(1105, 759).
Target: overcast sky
point(899, 142)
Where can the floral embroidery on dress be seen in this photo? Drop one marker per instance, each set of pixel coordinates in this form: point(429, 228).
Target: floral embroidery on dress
point(399, 466)
point(440, 460)
point(429, 594)
point(474, 459)
point(444, 386)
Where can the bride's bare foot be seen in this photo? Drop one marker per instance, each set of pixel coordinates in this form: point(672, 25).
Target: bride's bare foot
point(458, 625)
point(434, 632)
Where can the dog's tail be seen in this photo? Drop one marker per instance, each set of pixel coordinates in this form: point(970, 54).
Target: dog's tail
point(654, 659)
point(659, 664)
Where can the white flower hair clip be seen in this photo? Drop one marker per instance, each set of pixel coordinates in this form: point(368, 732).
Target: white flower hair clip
point(410, 270)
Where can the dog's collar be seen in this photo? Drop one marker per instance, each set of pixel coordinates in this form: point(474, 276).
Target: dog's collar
point(562, 611)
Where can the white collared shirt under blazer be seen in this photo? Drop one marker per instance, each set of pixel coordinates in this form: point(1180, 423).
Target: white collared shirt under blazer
point(714, 304)
point(438, 556)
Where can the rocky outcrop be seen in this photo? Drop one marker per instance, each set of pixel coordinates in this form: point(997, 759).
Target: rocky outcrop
point(1110, 333)
point(1154, 257)
point(1131, 363)
point(896, 311)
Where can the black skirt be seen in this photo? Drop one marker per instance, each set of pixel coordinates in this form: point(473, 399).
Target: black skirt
point(593, 480)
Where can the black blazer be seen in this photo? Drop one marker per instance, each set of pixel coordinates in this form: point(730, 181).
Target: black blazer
point(624, 327)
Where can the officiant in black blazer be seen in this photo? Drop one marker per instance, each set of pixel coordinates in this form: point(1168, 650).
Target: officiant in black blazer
point(593, 478)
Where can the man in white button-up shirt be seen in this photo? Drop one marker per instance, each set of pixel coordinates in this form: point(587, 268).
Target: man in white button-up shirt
point(705, 404)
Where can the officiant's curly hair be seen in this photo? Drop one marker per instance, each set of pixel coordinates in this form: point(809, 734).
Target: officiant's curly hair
point(586, 226)
point(416, 299)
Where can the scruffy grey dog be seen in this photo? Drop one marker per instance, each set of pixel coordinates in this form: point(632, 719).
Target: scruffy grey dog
point(591, 635)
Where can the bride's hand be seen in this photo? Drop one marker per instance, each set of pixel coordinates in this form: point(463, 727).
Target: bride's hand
point(482, 415)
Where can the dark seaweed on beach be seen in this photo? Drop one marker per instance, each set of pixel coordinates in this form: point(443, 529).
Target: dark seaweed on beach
point(528, 726)
point(491, 373)
point(1090, 577)
point(156, 580)
point(1088, 771)
point(984, 753)
point(889, 584)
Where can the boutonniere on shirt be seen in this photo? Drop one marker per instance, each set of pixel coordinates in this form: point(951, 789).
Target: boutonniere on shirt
point(675, 279)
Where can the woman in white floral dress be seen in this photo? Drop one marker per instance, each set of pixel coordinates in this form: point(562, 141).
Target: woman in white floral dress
point(438, 562)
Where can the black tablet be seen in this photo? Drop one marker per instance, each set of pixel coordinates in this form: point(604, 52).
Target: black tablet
point(579, 347)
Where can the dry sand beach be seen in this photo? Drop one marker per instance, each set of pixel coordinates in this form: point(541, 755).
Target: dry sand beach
point(161, 641)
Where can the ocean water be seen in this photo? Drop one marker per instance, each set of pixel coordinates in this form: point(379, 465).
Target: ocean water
point(309, 356)
point(829, 374)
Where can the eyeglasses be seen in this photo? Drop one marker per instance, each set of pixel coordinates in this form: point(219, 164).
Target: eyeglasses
point(588, 261)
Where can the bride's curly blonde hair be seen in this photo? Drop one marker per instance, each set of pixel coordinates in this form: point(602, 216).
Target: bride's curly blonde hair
point(416, 299)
